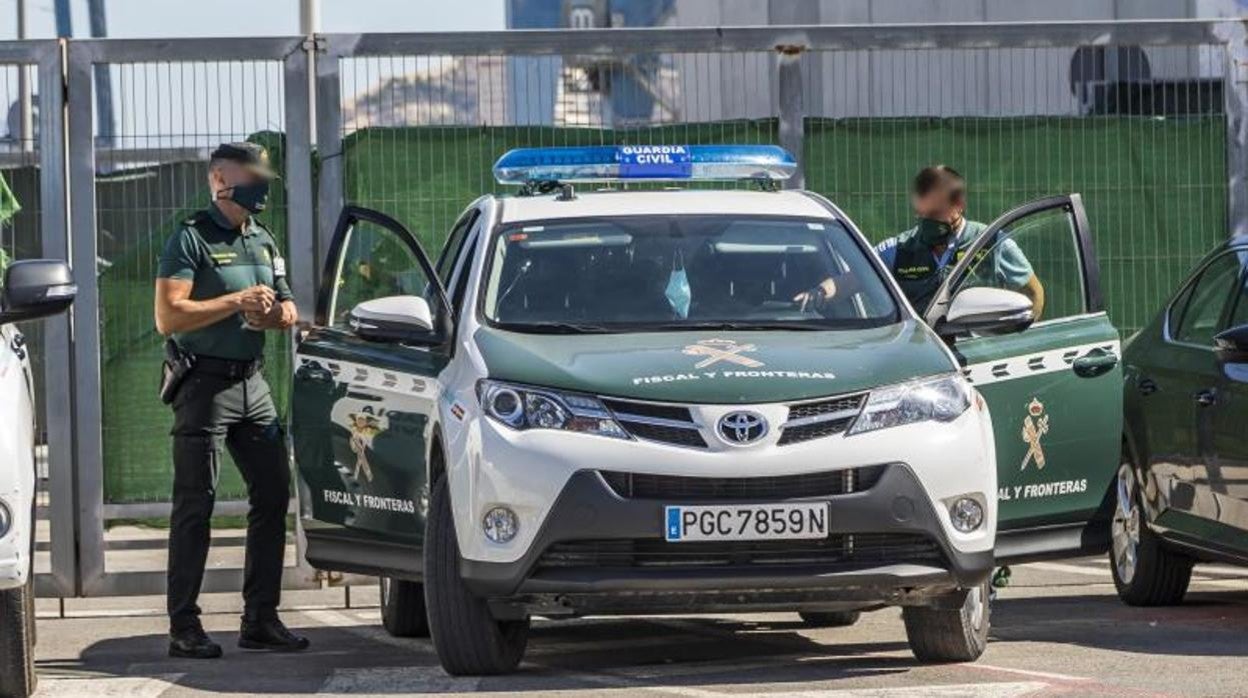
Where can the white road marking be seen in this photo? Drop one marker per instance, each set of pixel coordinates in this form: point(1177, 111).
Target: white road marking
point(91, 686)
point(347, 623)
point(395, 680)
point(1026, 672)
point(1201, 568)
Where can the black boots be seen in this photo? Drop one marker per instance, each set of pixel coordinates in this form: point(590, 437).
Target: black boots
point(269, 634)
point(192, 643)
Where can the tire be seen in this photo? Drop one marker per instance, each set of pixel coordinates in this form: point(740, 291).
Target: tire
point(17, 660)
point(950, 634)
point(830, 619)
point(1146, 572)
point(467, 638)
point(403, 608)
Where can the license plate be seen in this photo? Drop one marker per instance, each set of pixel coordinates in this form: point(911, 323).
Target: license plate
point(796, 521)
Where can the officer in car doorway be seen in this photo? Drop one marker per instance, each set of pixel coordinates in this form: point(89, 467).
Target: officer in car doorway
point(921, 258)
point(221, 284)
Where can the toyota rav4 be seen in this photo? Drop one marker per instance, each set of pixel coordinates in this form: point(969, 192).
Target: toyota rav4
point(623, 402)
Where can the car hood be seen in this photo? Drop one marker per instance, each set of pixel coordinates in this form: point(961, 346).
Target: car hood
point(733, 367)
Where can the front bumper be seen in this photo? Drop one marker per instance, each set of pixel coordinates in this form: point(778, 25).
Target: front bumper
point(886, 546)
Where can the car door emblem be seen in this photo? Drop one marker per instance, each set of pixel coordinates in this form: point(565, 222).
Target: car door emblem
point(742, 428)
point(364, 428)
point(716, 350)
point(1035, 425)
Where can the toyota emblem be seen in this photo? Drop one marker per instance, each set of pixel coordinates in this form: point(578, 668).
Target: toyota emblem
point(742, 428)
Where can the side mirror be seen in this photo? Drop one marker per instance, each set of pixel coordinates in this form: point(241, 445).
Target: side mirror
point(1231, 346)
point(984, 310)
point(394, 319)
point(35, 288)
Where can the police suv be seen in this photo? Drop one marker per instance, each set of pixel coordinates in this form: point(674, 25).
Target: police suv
point(31, 289)
point(627, 401)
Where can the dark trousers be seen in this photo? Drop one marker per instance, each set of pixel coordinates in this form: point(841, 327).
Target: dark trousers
point(211, 410)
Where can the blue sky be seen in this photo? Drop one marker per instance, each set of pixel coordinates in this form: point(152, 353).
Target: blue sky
point(172, 18)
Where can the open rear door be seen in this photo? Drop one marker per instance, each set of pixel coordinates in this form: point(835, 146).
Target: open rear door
point(1055, 389)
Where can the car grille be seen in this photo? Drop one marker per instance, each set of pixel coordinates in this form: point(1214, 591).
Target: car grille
point(815, 420)
point(852, 549)
point(669, 424)
point(767, 488)
point(674, 424)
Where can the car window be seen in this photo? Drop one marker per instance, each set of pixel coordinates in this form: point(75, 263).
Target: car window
point(454, 243)
point(1239, 316)
point(1037, 256)
point(639, 273)
point(1203, 312)
point(375, 263)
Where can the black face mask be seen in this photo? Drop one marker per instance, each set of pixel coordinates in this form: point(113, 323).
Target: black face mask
point(253, 197)
point(932, 232)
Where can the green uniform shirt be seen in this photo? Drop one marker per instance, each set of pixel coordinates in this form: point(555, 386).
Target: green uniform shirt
point(220, 260)
point(920, 272)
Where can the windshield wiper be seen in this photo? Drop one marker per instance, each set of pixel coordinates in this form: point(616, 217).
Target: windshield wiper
point(554, 328)
point(739, 325)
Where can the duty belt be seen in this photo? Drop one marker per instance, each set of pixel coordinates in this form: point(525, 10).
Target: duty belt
point(228, 368)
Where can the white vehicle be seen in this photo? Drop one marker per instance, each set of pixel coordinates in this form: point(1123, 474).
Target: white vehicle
point(32, 289)
point(620, 402)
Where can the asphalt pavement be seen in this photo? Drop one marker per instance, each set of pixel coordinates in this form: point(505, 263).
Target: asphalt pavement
point(1058, 629)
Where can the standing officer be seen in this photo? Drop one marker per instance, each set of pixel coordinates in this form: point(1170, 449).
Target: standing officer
point(921, 257)
point(220, 284)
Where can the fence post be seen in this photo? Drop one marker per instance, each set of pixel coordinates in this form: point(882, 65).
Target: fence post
point(58, 337)
point(329, 138)
point(792, 109)
point(300, 203)
point(87, 407)
point(1235, 34)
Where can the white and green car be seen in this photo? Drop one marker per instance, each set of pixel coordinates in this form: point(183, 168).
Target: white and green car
point(622, 402)
point(29, 290)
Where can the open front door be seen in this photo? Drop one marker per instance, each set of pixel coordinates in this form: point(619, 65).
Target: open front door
point(1055, 389)
point(361, 409)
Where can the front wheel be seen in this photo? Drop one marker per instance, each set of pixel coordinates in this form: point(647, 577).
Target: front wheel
point(403, 608)
point(950, 634)
point(17, 661)
point(1145, 572)
point(468, 639)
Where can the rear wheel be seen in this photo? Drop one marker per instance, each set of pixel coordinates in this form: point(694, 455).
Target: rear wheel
point(17, 660)
point(830, 619)
point(950, 634)
point(1145, 572)
point(468, 639)
point(403, 608)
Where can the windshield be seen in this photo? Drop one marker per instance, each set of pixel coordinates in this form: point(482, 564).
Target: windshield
point(647, 273)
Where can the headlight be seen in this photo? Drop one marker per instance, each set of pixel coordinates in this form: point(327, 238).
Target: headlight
point(937, 399)
point(521, 407)
point(6, 519)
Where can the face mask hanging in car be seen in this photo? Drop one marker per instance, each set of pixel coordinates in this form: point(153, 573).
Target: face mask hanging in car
point(678, 293)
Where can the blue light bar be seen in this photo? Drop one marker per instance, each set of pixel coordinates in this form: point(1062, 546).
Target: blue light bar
point(611, 163)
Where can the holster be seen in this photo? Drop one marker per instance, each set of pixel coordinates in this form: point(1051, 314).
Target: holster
point(174, 370)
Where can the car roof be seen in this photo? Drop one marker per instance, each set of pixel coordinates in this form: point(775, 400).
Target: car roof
point(650, 202)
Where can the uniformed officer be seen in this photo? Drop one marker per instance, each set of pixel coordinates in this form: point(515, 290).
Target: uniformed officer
point(922, 257)
point(220, 285)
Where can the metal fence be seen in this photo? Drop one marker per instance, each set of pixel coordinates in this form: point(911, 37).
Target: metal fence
point(1145, 119)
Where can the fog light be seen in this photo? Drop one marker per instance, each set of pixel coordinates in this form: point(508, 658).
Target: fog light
point(500, 524)
point(6, 519)
point(966, 514)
